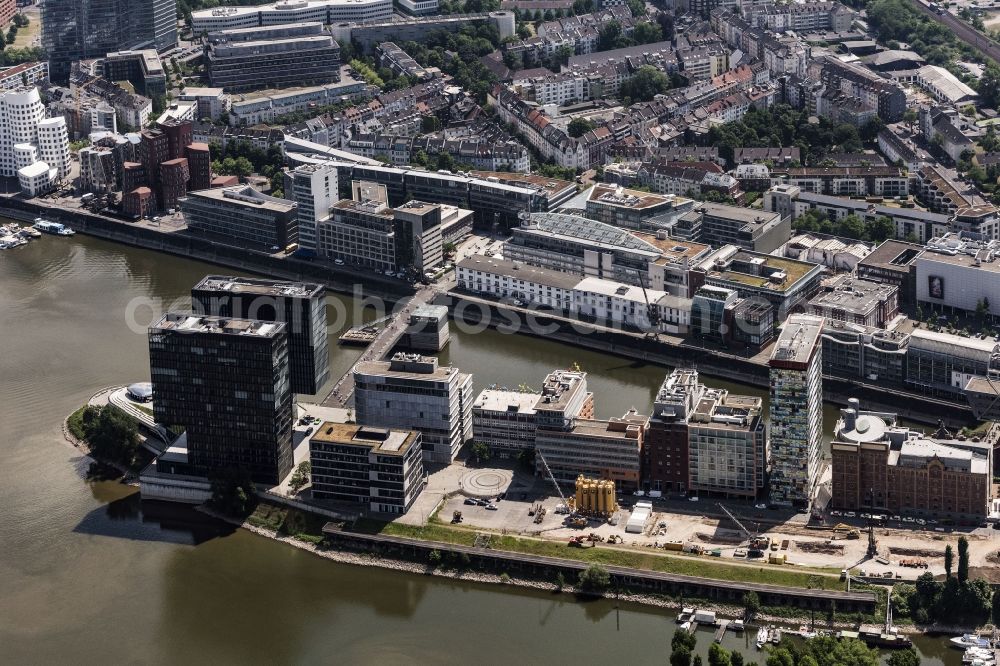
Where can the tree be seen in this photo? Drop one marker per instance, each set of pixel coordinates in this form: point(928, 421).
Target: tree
point(647, 33)
point(481, 451)
point(851, 226)
point(683, 639)
point(611, 37)
point(233, 492)
point(301, 476)
point(907, 657)
point(718, 656)
point(644, 85)
point(736, 658)
point(963, 559)
point(579, 126)
point(882, 229)
point(111, 434)
point(949, 558)
point(594, 578)
point(780, 657)
point(697, 660)
point(751, 604)
point(680, 656)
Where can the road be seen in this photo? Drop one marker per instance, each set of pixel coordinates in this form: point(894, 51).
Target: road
point(963, 31)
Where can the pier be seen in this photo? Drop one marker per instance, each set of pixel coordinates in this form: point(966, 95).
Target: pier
point(379, 346)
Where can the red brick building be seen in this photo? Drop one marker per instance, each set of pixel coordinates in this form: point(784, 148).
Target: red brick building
point(879, 465)
point(174, 176)
point(200, 163)
point(138, 202)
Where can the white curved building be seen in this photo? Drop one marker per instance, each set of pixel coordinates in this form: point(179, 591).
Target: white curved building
point(53, 144)
point(290, 11)
point(33, 148)
point(20, 112)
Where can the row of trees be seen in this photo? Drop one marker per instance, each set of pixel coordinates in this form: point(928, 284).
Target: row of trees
point(470, 44)
point(849, 226)
point(781, 125)
point(957, 600)
point(242, 158)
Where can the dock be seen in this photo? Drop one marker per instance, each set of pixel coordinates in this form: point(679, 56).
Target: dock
point(721, 631)
point(359, 335)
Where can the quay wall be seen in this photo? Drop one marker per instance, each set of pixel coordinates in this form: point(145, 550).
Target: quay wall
point(622, 578)
point(712, 362)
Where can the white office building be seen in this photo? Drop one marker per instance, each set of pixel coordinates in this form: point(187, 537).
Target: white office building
point(315, 190)
point(289, 11)
point(411, 391)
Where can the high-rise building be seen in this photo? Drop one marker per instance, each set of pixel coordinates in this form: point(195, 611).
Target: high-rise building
point(382, 469)
point(796, 411)
point(226, 382)
point(412, 391)
point(315, 190)
point(300, 305)
point(85, 29)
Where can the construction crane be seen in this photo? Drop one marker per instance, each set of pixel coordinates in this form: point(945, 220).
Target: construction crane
point(652, 312)
point(754, 538)
point(552, 478)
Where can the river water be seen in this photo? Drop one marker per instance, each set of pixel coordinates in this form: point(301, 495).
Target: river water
point(90, 573)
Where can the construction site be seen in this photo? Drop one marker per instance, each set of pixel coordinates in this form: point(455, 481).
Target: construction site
point(591, 515)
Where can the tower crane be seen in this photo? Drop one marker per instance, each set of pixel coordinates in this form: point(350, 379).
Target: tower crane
point(652, 312)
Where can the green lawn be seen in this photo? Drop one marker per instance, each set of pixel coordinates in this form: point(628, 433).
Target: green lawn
point(690, 565)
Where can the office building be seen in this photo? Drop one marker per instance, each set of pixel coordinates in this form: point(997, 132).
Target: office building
point(301, 306)
point(596, 448)
point(73, 30)
point(856, 301)
point(796, 369)
point(505, 421)
point(243, 214)
point(427, 330)
point(366, 232)
point(573, 442)
point(634, 210)
point(892, 263)
point(864, 353)
point(289, 11)
point(880, 465)
point(412, 391)
point(314, 190)
point(941, 364)
point(959, 273)
point(142, 68)
point(226, 382)
point(746, 228)
point(704, 440)
point(375, 467)
point(783, 283)
point(299, 54)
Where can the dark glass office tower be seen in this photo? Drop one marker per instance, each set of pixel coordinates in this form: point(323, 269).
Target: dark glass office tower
point(226, 382)
point(300, 305)
point(84, 29)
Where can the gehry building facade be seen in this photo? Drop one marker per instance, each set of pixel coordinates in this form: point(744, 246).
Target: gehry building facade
point(32, 147)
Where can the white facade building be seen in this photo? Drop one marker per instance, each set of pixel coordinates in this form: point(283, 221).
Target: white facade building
point(289, 11)
point(32, 148)
point(315, 190)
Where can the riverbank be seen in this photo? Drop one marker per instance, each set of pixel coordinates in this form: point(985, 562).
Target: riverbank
point(567, 590)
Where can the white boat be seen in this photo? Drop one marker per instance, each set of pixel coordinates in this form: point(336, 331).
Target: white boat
point(974, 654)
point(761, 637)
point(685, 615)
point(806, 633)
point(685, 626)
point(776, 636)
point(8, 242)
point(966, 641)
point(736, 625)
point(65, 231)
point(28, 232)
